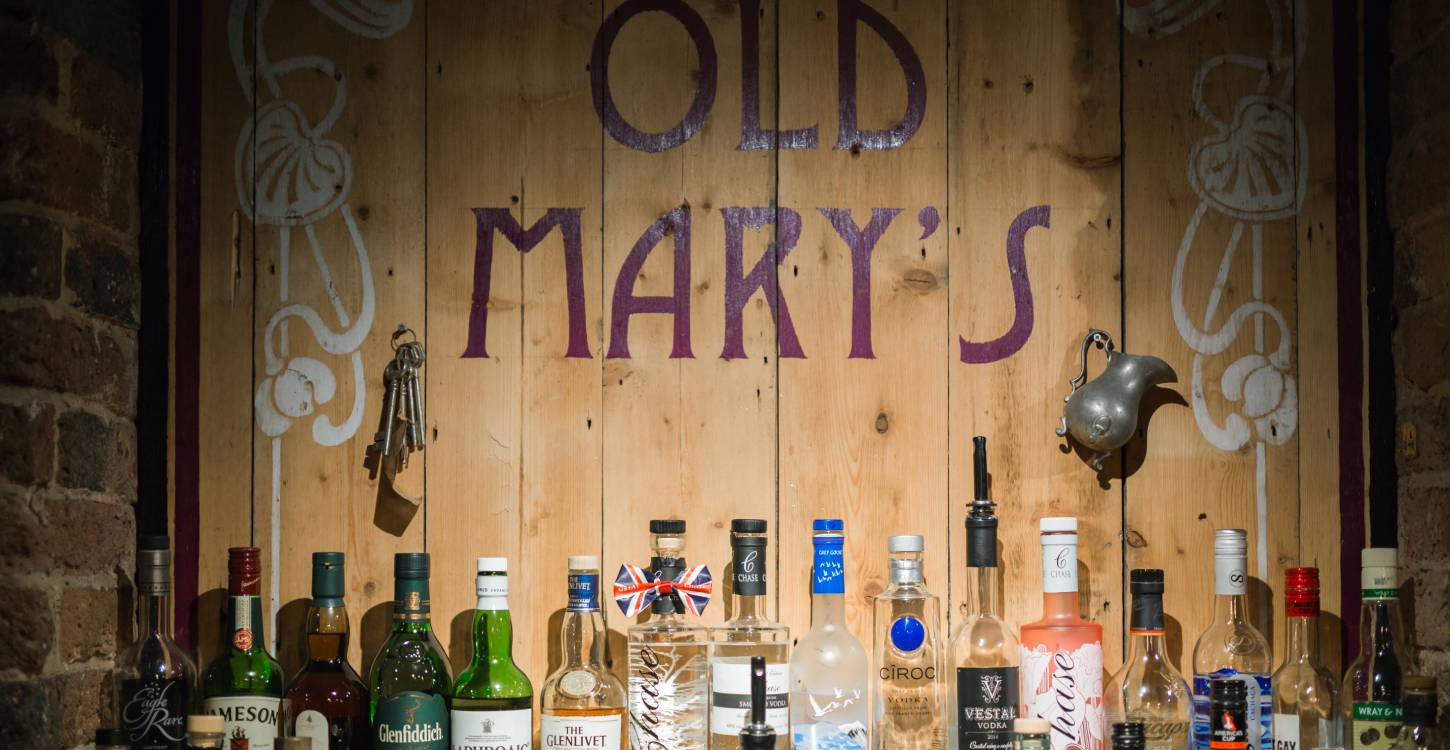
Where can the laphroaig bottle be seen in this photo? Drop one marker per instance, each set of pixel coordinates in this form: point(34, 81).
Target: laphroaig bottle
point(1373, 683)
point(159, 680)
point(327, 700)
point(668, 667)
point(911, 706)
point(829, 668)
point(493, 701)
point(582, 701)
point(1307, 715)
point(1147, 689)
point(1421, 704)
point(1062, 654)
point(748, 633)
point(1232, 648)
point(984, 687)
point(244, 683)
point(410, 679)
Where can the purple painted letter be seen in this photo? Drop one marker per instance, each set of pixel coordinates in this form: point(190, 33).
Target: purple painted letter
point(752, 136)
point(1016, 336)
point(676, 223)
point(862, 243)
point(613, 121)
point(740, 287)
point(849, 13)
point(501, 220)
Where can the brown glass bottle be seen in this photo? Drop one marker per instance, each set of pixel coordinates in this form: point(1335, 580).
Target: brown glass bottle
point(327, 701)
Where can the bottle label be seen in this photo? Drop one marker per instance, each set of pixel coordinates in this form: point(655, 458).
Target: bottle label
point(1230, 576)
point(1059, 567)
point(1375, 726)
point(493, 730)
point(583, 592)
point(1379, 594)
point(242, 638)
point(748, 566)
point(1228, 728)
point(251, 720)
point(562, 731)
point(493, 592)
point(1286, 732)
point(829, 569)
point(730, 696)
point(1066, 688)
point(1260, 716)
point(411, 720)
point(667, 697)
point(835, 720)
point(153, 713)
point(986, 706)
point(313, 726)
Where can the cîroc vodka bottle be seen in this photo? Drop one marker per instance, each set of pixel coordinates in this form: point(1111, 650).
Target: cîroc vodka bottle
point(911, 710)
point(668, 671)
point(829, 667)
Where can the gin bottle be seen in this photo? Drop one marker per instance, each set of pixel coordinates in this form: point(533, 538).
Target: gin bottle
point(1232, 648)
point(159, 678)
point(582, 701)
point(244, 683)
point(410, 679)
point(668, 667)
point(1147, 690)
point(493, 701)
point(328, 702)
point(748, 633)
point(911, 707)
point(1373, 683)
point(984, 689)
point(1306, 696)
point(829, 668)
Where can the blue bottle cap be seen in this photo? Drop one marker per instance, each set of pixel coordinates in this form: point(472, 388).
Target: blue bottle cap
point(828, 524)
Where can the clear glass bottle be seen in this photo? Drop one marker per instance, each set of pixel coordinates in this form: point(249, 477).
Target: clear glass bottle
point(1306, 696)
point(829, 668)
point(493, 700)
point(1373, 683)
point(668, 659)
point(910, 703)
point(243, 684)
point(1147, 689)
point(158, 681)
point(1421, 704)
point(748, 633)
point(1062, 654)
point(410, 679)
point(582, 702)
point(1232, 647)
point(1031, 734)
point(327, 700)
point(984, 687)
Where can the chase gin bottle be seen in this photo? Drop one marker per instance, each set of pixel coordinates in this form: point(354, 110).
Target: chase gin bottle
point(829, 667)
point(748, 633)
point(668, 671)
point(906, 626)
point(1232, 648)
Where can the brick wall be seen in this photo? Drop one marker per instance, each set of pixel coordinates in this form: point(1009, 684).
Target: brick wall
point(1418, 194)
point(69, 307)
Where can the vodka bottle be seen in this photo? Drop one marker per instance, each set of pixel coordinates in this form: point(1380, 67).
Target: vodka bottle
point(583, 702)
point(1306, 696)
point(829, 667)
point(984, 687)
point(906, 622)
point(668, 669)
point(747, 634)
point(1232, 648)
point(1373, 683)
point(1148, 690)
point(1420, 706)
point(1062, 654)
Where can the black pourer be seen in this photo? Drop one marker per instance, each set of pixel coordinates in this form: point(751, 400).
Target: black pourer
point(982, 520)
point(757, 735)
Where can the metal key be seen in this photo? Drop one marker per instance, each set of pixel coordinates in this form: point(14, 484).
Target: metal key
point(392, 383)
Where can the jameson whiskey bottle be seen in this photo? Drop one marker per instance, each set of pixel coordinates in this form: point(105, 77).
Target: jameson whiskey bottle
point(328, 703)
point(668, 667)
point(984, 650)
point(1232, 648)
point(160, 678)
point(1373, 684)
point(244, 683)
point(829, 667)
point(1306, 696)
point(1147, 690)
point(493, 702)
point(409, 681)
point(911, 707)
point(749, 633)
point(582, 701)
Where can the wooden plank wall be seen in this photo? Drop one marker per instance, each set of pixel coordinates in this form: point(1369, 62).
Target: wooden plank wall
point(803, 305)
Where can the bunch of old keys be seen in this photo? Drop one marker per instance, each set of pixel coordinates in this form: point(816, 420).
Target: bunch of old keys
point(400, 427)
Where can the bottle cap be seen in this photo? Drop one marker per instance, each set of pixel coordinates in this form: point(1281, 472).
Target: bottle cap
point(748, 526)
point(1420, 700)
point(293, 743)
point(112, 738)
point(828, 524)
point(154, 542)
point(583, 562)
point(1230, 542)
point(205, 724)
point(1057, 525)
point(1379, 569)
point(1031, 726)
point(1128, 735)
point(328, 581)
point(493, 565)
point(411, 566)
point(667, 526)
point(1227, 690)
point(906, 543)
point(244, 571)
point(1145, 581)
point(153, 565)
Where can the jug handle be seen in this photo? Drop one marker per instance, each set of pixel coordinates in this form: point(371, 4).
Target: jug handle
point(1094, 336)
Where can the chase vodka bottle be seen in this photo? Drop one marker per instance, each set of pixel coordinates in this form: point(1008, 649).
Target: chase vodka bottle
point(1231, 648)
point(747, 634)
point(829, 668)
point(668, 672)
point(911, 708)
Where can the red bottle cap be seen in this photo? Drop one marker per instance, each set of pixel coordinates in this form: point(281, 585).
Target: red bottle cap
point(244, 571)
point(1301, 592)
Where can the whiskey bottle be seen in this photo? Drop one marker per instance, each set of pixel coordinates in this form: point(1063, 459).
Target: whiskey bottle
point(749, 633)
point(493, 701)
point(1229, 724)
point(1420, 707)
point(244, 683)
point(1062, 654)
point(1231, 648)
point(1306, 696)
point(911, 708)
point(159, 677)
point(409, 681)
point(327, 701)
point(205, 732)
point(582, 702)
point(1373, 682)
point(1147, 690)
point(829, 668)
point(668, 667)
point(985, 689)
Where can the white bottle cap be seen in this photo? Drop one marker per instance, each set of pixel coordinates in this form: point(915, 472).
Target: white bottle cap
point(1379, 569)
point(583, 562)
point(906, 543)
point(1233, 542)
point(493, 565)
point(1031, 726)
point(1057, 524)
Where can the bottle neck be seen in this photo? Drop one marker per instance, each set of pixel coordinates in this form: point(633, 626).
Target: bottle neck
point(828, 609)
point(411, 606)
point(1233, 608)
point(1378, 621)
point(982, 590)
point(1146, 645)
point(1302, 642)
point(247, 624)
point(493, 636)
point(748, 576)
point(828, 579)
point(580, 638)
point(155, 622)
point(327, 631)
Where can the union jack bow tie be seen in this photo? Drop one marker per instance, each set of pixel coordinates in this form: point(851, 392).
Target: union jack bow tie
point(636, 589)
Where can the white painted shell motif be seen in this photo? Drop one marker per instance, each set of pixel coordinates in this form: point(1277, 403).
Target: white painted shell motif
point(1265, 394)
point(294, 392)
point(374, 19)
point(1250, 171)
point(299, 177)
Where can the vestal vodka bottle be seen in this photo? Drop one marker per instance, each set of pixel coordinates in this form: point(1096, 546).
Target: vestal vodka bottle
point(1372, 684)
point(1306, 695)
point(243, 684)
point(1148, 690)
point(910, 704)
point(159, 678)
point(1231, 647)
point(984, 687)
point(747, 634)
point(668, 668)
point(1062, 654)
point(493, 701)
point(829, 667)
point(582, 701)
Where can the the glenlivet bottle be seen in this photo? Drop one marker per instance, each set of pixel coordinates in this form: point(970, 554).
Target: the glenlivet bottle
point(410, 679)
point(1232, 648)
point(244, 683)
point(327, 701)
point(159, 680)
point(1373, 683)
point(493, 701)
point(582, 702)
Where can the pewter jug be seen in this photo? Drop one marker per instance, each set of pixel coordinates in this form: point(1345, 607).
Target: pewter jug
point(1102, 414)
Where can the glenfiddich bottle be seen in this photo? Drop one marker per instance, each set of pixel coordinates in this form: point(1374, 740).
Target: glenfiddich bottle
point(328, 702)
point(160, 678)
point(410, 678)
point(493, 702)
point(244, 683)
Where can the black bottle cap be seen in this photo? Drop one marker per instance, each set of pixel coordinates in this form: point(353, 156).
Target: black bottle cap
point(1128, 735)
point(667, 526)
point(1229, 691)
point(1420, 700)
point(411, 565)
point(1147, 604)
point(982, 520)
point(155, 542)
point(1146, 581)
point(748, 526)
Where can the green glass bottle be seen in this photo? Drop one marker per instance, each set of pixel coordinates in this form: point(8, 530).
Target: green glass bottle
point(410, 677)
point(493, 702)
point(244, 683)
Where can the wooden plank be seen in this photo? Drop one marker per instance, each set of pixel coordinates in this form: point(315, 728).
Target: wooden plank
point(1034, 122)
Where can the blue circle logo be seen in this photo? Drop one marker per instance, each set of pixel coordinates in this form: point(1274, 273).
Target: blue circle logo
point(907, 633)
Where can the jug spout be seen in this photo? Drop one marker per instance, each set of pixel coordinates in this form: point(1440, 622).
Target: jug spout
point(1139, 372)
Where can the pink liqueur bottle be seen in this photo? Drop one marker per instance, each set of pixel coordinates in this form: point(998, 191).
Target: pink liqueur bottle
point(1062, 654)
